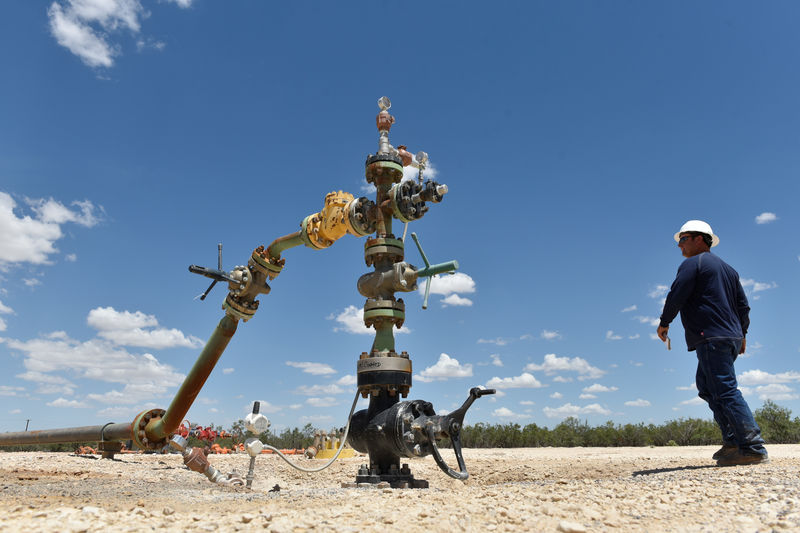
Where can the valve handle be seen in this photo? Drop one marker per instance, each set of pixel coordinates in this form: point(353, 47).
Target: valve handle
point(217, 274)
point(453, 422)
point(431, 270)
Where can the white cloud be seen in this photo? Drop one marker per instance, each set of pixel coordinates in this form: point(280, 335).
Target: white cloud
point(562, 379)
point(456, 300)
point(611, 336)
point(451, 286)
point(599, 388)
point(498, 341)
point(694, 401)
point(3, 325)
point(51, 211)
point(347, 380)
point(650, 320)
point(411, 172)
point(525, 337)
point(4, 309)
point(759, 377)
point(552, 364)
point(327, 401)
point(586, 396)
point(227, 371)
point(85, 26)
point(15, 411)
point(29, 239)
point(693, 386)
point(496, 361)
point(527, 402)
point(638, 403)
point(316, 390)
point(629, 309)
point(659, 291)
point(766, 217)
point(523, 381)
point(352, 321)
point(776, 393)
point(550, 335)
point(63, 402)
point(773, 391)
point(31, 282)
point(505, 412)
point(47, 358)
point(556, 395)
point(317, 369)
point(445, 368)
point(71, 258)
point(634, 337)
point(126, 329)
point(7, 390)
point(446, 284)
point(757, 286)
point(568, 410)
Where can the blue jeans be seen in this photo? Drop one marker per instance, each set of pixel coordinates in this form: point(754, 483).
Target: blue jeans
point(716, 384)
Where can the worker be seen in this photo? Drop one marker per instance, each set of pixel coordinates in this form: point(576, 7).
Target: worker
point(715, 316)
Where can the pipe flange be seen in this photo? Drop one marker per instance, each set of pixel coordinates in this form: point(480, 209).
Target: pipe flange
point(383, 247)
point(377, 310)
point(384, 168)
point(358, 220)
point(404, 208)
point(140, 422)
point(239, 309)
point(261, 261)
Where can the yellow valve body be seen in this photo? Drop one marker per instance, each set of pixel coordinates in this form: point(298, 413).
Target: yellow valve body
point(329, 224)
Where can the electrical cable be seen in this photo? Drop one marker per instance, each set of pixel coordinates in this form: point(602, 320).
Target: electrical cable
point(329, 463)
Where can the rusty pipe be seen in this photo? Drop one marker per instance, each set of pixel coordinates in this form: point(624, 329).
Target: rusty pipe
point(108, 432)
point(159, 429)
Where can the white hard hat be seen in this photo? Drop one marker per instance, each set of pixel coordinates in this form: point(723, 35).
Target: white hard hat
point(700, 227)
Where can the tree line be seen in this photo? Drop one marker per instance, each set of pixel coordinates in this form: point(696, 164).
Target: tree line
point(776, 422)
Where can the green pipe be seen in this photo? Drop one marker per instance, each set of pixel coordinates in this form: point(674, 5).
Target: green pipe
point(284, 243)
point(108, 432)
point(441, 268)
point(160, 428)
point(384, 337)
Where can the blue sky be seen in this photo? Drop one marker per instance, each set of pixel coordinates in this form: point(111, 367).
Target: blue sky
point(575, 139)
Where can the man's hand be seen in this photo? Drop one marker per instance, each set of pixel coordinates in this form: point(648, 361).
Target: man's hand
point(744, 345)
point(662, 333)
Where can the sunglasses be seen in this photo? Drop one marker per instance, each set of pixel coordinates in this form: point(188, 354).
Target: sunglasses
point(684, 238)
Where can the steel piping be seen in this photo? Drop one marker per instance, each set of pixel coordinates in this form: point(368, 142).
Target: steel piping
point(108, 432)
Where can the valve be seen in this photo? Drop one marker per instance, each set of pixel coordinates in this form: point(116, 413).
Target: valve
point(255, 422)
point(216, 274)
point(431, 270)
point(411, 429)
point(195, 460)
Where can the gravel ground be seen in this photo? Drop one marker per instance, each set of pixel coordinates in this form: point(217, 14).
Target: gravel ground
point(535, 489)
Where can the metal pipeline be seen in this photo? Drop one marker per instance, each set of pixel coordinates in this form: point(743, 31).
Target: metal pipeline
point(284, 243)
point(108, 432)
point(159, 429)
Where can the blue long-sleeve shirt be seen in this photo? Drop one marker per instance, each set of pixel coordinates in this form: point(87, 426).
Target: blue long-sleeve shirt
point(710, 298)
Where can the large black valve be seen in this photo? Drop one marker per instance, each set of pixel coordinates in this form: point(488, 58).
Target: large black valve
point(411, 429)
point(408, 198)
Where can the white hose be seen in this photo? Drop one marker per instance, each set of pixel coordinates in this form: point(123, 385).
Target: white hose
point(329, 463)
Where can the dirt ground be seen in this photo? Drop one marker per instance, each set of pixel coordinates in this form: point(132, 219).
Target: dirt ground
point(527, 489)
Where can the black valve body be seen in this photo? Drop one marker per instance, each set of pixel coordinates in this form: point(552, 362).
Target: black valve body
point(390, 433)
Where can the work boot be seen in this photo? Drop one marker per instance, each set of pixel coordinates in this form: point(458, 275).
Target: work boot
point(739, 458)
point(724, 451)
